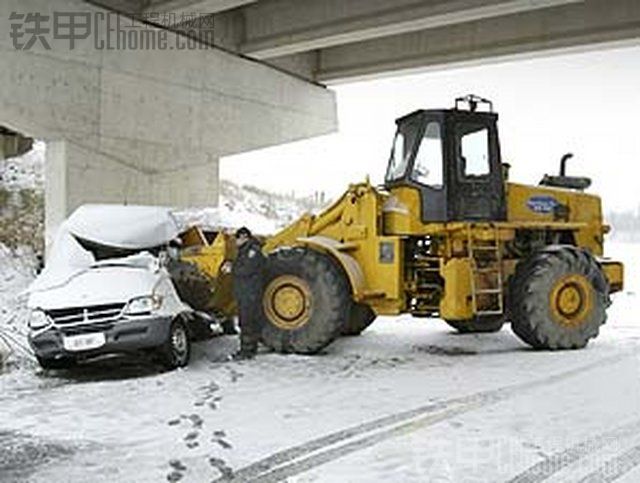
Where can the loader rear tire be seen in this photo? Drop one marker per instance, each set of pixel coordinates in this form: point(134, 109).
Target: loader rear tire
point(478, 325)
point(558, 298)
point(361, 316)
point(306, 301)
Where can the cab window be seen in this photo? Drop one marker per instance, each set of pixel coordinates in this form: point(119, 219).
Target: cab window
point(399, 158)
point(427, 167)
point(473, 150)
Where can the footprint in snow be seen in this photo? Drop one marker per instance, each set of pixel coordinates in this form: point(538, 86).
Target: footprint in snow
point(221, 465)
point(219, 438)
point(191, 436)
point(213, 404)
point(177, 465)
point(196, 425)
point(196, 421)
point(178, 470)
point(208, 396)
point(234, 375)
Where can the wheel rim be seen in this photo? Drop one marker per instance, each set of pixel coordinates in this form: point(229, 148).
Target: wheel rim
point(571, 300)
point(287, 302)
point(179, 342)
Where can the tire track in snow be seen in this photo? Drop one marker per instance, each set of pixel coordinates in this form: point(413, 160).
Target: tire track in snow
point(615, 467)
point(556, 462)
point(271, 468)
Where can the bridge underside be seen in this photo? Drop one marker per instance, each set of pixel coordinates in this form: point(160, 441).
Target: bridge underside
point(144, 126)
point(342, 40)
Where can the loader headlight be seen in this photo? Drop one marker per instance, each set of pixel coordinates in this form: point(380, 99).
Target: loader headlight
point(38, 320)
point(143, 305)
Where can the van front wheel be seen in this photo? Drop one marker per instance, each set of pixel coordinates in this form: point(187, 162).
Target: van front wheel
point(176, 350)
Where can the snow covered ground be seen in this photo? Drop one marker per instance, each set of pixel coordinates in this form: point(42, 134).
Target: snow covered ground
point(26, 171)
point(17, 269)
point(407, 401)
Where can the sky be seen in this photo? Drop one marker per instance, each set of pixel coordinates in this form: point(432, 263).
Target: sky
point(587, 104)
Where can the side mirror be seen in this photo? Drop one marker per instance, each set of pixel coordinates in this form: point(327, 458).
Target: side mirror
point(505, 171)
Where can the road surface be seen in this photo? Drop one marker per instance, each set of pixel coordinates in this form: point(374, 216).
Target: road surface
point(409, 400)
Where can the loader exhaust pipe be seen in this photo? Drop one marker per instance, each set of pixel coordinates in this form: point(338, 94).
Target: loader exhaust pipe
point(563, 163)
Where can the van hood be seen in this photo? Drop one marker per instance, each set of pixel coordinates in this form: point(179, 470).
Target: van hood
point(101, 284)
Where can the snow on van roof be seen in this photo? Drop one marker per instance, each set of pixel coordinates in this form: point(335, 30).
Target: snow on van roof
point(124, 226)
point(119, 226)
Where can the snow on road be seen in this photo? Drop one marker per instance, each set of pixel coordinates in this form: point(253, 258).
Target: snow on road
point(409, 400)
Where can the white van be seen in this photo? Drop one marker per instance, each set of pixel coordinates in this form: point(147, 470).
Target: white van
point(105, 290)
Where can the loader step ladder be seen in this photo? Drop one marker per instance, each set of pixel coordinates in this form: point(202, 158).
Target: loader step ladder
point(426, 302)
point(486, 273)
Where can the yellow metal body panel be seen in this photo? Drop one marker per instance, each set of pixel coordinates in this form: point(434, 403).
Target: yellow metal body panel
point(614, 271)
point(209, 258)
point(351, 231)
point(401, 212)
point(582, 208)
point(193, 237)
point(456, 302)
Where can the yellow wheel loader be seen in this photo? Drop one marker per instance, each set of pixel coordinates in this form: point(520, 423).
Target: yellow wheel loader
point(447, 236)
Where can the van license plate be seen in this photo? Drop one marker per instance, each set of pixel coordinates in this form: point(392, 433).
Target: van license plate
point(84, 342)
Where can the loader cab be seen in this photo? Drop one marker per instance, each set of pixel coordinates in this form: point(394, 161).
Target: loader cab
point(452, 158)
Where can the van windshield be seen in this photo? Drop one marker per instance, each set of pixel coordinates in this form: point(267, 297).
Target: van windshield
point(104, 252)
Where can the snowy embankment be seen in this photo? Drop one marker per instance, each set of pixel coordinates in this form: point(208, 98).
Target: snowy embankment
point(24, 172)
point(262, 212)
point(17, 269)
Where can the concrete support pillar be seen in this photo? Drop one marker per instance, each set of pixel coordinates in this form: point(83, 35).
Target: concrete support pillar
point(192, 186)
point(76, 175)
point(55, 200)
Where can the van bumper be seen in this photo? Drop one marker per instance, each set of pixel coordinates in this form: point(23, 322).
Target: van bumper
point(120, 336)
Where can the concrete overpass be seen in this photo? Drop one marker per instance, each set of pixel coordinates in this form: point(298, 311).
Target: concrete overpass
point(134, 125)
point(341, 40)
point(148, 126)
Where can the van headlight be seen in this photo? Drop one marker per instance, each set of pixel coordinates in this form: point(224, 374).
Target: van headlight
point(143, 305)
point(38, 320)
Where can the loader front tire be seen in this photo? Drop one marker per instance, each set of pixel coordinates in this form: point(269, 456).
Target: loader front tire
point(558, 298)
point(478, 325)
point(306, 301)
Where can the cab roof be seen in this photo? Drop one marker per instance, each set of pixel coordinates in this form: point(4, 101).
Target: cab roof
point(445, 113)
